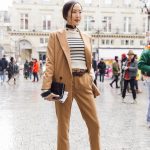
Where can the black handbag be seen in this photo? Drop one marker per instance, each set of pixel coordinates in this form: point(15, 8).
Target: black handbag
point(56, 88)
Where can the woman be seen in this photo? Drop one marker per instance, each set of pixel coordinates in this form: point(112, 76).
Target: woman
point(69, 61)
point(130, 71)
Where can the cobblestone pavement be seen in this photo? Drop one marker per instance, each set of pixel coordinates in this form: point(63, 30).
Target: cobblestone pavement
point(27, 122)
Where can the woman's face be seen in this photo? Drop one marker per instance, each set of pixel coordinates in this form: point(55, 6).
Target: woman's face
point(130, 56)
point(74, 15)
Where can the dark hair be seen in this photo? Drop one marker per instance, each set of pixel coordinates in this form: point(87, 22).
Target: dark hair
point(12, 59)
point(67, 7)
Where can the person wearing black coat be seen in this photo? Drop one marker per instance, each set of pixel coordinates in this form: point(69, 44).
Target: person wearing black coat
point(3, 66)
point(94, 65)
point(102, 68)
point(11, 70)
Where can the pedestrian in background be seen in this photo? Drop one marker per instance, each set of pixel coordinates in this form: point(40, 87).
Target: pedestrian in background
point(30, 69)
point(123, 60)
point(69, 60)
point(11, 70)
point(130, 71)
point(116, 72)
point(94, 65)
point(26, 69)
point(35, 70)
point(102, 69)
point(3, 67)
point(144, 66)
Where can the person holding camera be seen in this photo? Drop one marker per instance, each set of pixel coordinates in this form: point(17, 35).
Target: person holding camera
point(130, 71)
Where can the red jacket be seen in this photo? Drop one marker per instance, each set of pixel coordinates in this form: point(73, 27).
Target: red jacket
point(35, 67)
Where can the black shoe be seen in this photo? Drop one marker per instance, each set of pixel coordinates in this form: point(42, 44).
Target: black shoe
point(117, 87)
point(111, 85)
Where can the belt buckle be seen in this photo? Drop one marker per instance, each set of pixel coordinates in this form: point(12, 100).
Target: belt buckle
point(76, 70)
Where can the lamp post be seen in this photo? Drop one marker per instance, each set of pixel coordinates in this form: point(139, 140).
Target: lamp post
point(98, 32)
point(147, 11)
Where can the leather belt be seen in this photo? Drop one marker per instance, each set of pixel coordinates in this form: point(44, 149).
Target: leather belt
point(79, 72)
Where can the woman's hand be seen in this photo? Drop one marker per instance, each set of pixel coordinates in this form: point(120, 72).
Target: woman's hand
point(52, 97)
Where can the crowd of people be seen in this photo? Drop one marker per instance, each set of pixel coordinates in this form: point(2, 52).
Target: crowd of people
point(34, 68)
point(125, 73)
point(9, 70)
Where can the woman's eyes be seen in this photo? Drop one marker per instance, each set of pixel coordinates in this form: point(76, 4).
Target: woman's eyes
point(77, 12)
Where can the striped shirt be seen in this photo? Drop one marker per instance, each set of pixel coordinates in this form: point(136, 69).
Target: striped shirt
point(77, 52)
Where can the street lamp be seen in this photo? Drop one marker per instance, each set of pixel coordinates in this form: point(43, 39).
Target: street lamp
point(98, 32)
point(146, 10)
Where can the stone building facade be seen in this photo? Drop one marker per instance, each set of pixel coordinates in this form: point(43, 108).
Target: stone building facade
point(4, 36)
point(115, 26)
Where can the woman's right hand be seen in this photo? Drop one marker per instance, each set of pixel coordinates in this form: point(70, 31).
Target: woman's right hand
point(52, 97)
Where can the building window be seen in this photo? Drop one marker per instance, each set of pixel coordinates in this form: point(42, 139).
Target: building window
point(46, 40)
point(107, 42)
point(108, 24)
point(142, 42)
point(127, 24)
point(112, 42)
point(126, 42)
point(43, 40)
point(122, 42)
point(47, 22)
point(24, 21)
point(93, 41)
point(88, 23)
point(108, 2)
point(103, 42)
point(131, 42)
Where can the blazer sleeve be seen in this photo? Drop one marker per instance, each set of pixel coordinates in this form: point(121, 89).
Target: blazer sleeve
point(49, 72)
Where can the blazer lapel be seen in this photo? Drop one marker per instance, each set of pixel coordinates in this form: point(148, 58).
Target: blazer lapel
point(64, 45)
point(88, 51)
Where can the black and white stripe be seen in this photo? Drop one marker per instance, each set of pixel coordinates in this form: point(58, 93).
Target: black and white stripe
point(76, 46)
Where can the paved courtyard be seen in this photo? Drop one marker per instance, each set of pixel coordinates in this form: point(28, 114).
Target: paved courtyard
point(27, 122)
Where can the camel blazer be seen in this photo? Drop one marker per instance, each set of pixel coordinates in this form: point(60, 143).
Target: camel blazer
point(58, 61)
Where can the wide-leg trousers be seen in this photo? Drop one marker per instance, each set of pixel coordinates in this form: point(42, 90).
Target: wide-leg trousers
point(82, 93)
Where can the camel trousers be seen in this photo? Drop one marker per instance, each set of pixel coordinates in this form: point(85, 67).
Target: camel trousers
point(82, 92)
